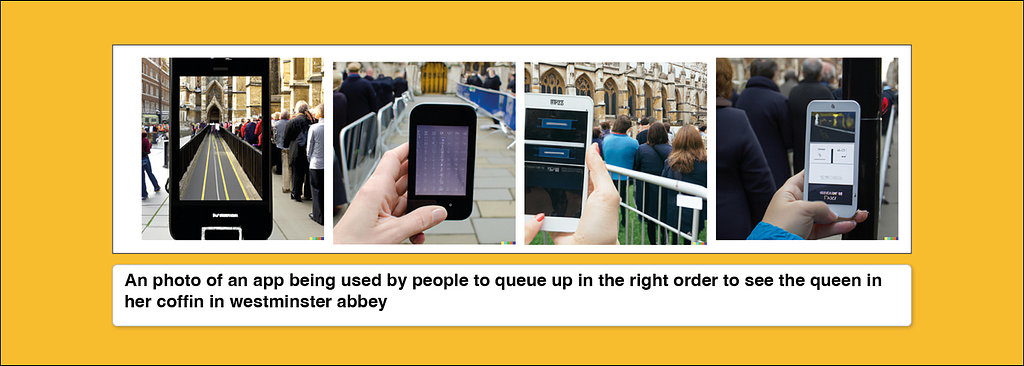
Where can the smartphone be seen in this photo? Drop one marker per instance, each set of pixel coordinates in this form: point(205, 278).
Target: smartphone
point(558, 132)
point(220, 182)
point(832, 141)
point(442, 155)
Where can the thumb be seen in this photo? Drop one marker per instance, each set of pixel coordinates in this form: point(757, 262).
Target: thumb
point(532, 228)
point(415, 222)
point(820, 212)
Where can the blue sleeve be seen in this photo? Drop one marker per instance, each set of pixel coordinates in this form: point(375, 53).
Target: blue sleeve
point(766, 231)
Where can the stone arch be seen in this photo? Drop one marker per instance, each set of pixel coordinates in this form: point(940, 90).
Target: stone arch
point(584, 86)
point(611, 97)
point(527, 81)
point(648, 100)
point(552, 83)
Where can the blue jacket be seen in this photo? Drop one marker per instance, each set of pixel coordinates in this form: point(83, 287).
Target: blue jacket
point(745, 185)
point(768, 112)
point(766, 231)
point(620, 151)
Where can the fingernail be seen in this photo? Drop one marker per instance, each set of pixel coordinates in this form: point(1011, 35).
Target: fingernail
point(438, 215)
point(539, 217)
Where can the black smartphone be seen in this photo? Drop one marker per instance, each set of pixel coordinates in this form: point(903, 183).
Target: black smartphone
point(442, 153)
point(220, 178)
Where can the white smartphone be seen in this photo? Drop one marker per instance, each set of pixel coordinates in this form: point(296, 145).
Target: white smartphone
point(833, 156)
point(558, 132)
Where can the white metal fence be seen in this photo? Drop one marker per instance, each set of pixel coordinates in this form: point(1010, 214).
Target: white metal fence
point(667, 199)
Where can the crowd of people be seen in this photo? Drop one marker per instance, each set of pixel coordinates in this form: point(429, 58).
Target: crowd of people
point(653, 149)
point(359, 93)
point(764, 123)
point(300, 138)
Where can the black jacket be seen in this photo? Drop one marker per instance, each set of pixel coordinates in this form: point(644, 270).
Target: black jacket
point(296, 126)
point(802, 95)
point(401, 86)
point(340, 115)
point(768, 113)
point(683, 219)
point(474, 81)
point(387, 90)
point(493, 83)
point(361, 98)
point(745, 185)
point(651, 160)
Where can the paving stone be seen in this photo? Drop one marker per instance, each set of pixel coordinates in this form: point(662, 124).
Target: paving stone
point(497, 208)
point(495, 230)
point(452, 227)
point(495, 182)
point(491, 194)
point(492, 172)
point(450, 239)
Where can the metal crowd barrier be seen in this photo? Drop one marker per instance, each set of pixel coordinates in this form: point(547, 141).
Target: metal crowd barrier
point(386, 125)
point(188, 150)
point(885, 154)
point(493, 104)
point(673, 187)
point(360, 152)
point(249, 158)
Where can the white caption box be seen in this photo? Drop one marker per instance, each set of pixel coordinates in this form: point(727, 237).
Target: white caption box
point(886, 305)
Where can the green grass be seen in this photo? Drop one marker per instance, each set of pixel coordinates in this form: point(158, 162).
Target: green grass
point(637, 231)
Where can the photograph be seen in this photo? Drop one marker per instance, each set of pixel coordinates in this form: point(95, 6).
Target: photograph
point(235, 152)
point(616, 153)
point(806, 148)
point(425, 152)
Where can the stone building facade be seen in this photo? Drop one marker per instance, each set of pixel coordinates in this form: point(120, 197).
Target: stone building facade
point(156, 96)
point(675, 92)
point(221, 98)
point(432, 77)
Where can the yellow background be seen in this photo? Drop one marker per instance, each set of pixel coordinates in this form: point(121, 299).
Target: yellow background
point(967, 213)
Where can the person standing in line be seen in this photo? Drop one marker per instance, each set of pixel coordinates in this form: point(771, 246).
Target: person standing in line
point(401, 85)
point(641, 137)
point(650, 159)
point(791, 81)
point(688, 162)
point(768, 113)
point(745, 185)
point(809, 89)
point(315, 155)
point(620, 151)
point(147, 167)
point(597, 139)
point(295, 136)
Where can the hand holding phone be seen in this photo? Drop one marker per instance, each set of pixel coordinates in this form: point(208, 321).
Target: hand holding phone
point(379, 213)
point(807, 219)
point(558, 132)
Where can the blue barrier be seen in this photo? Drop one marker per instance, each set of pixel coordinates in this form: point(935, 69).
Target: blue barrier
point(497, 104)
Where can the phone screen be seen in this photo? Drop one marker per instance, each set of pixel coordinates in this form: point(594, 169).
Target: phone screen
point(831, 170)
point(441, 160)
point(555, 162)
point(217, 132)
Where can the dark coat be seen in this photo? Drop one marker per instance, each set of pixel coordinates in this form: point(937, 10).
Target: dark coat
point(493, 83)
point(296, 126)
point(401, 86)
point(768, 113)
point(340, 115)
point(745, 185)
point(387, 90)
point(799, 98)
point(250, 133)
point(651, 160)
point(474, 81)
point(361, 98)
point(642, 136)
point(683, 219)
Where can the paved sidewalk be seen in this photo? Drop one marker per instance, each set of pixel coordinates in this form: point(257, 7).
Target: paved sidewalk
point(291, 218)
